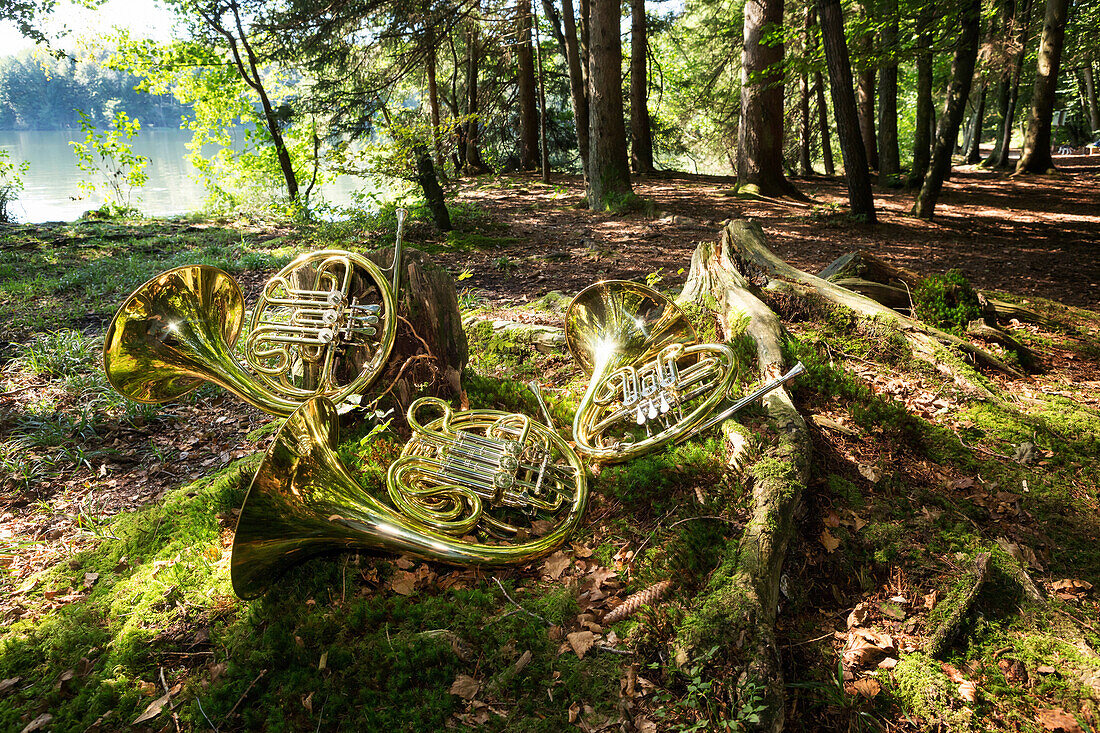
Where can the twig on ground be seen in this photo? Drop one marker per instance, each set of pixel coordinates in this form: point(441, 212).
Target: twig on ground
point(613, 650)
point(232, 710)
point(513, 602)
point(979, 448)
point(168, 692)
point(209, 722)
point(809, 641)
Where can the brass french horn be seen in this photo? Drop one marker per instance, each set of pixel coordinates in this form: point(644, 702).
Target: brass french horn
point(317, 320)
point(464, 492)
point(651, 382)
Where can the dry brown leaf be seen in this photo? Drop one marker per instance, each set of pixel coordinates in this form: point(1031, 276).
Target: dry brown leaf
point(403, 583)
point(581, 642)
point(830, 542)
point(968, 691)
point(465, 686)
point(153, 710)
point(952, 674)
point(858, 615)
point(831, 520)
point(863, 653)
point(556, 564)
point(869, 472)
point(1014, 671)
point(864, 687)
point(1058, 720)
point(323, 662)
point(582, 551)
point(307, 703)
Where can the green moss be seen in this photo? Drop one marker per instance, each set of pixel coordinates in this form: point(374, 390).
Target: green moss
point(924, 691)
point(947, 301)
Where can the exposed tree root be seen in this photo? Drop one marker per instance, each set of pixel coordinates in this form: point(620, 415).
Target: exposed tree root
point(959, 606)
point(736, 611)
point(746, 244)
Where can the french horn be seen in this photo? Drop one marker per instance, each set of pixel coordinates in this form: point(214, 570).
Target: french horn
point(651, 382)
point(324, 326)
point(465, 491)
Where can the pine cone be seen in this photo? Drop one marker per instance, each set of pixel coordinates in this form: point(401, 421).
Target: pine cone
point(642, 598)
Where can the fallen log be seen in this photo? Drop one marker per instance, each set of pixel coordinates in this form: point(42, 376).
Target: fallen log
point(736, 611)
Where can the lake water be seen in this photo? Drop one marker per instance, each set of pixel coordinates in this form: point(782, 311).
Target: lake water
point(51, 191)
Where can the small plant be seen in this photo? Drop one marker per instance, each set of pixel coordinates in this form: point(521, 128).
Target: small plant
point(108, 153)
point(626, 203)
point(702, 708)
point(947, 301)
point(11, 183)
point(654, 277)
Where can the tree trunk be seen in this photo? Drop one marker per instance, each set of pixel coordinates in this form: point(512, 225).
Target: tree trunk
point(1022, 21)
point(962, 75)
point(865, 91)
point(525, 78)
point(1008, 11)
point(805, 167)
point(608, 167)
point(760, 131)
point(973, 148)
point(578, 87)
point(922, 134)
point(1090, 96)
point(473, 61)
point(641, 138)
point(1035, 157)
point(433, 194)
point(430, 345)
point(433, 102)
point(860, 199)
point(888, 156)
point(823, 125)
point(736, 611)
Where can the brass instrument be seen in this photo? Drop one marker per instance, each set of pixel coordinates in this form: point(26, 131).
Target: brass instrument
point(465, 473)
point(651, 381)
point(317, 319)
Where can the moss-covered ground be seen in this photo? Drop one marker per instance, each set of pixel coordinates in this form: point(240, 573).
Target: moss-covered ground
point(117, 521)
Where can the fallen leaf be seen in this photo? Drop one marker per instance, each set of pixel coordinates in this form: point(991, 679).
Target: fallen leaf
point(1014, 671)
point(864, 687)
point(323, 661)
point(403, 583)
point(831, 520)
point(556, 564)
point(830, 542)
point(153, 710)
point(465, 686)
point(582, 551)
point(858, 615)
point(869, 472)
point(307, 703)
point(968, 691)
point(581, 642)
point(1058, 720)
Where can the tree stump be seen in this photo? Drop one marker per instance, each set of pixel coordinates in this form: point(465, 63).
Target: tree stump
point(429, 350)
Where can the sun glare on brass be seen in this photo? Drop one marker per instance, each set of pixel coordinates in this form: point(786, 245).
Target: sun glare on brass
point(468, 489)
point(651, 381)
point(324, 326)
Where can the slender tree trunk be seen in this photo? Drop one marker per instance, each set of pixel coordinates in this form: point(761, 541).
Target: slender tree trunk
point(578, 87)
point(865, 91)
point(608, 166)
point(525, 78)
point(544, 167)
point(473, 150)
point(641, 138)
point(923, 132)
point(889, 158)
point(973, 148)
point(760, 131)
point(962, 76)
point(1035, 157)
point(844, 110)
point(823, 125)
point(1022, 22)
point(1090, 95)
point(433, 101)
point(1003, 89)
point(805, 168)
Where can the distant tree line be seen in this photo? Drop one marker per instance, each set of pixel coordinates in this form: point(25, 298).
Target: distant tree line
point(39, 91)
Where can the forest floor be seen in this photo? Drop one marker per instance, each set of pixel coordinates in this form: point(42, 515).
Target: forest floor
point(116, 518)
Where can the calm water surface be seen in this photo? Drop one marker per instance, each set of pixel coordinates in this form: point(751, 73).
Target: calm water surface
point(51, 191)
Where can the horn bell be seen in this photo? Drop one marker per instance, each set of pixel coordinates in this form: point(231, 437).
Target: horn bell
point(304, 501)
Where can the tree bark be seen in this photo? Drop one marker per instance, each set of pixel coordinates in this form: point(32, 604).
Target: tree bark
point(433, 193)
point(865, 91)
point(888, 155)
point(1090, 97)
point(433, 101)
point(525, 79)
point(852, 151)
point(823, 125)
point(1022, 23)
point(962, 75)
point(1035, 157)
point(973, 148)
point(805, 167)
point(923, 130)
point(760, 131)
point(736, 611)
point(608, 167)
point(578, 85)
point(473, 62)
point(641, 137)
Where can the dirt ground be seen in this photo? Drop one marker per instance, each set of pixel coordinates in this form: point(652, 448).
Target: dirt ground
point(1033, 236)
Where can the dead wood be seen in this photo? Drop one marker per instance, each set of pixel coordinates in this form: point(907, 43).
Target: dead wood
point(542, 338)
point(749, 249)
point(981, 329)
point(736, 611)
point(959, 606)
point(430, 346)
